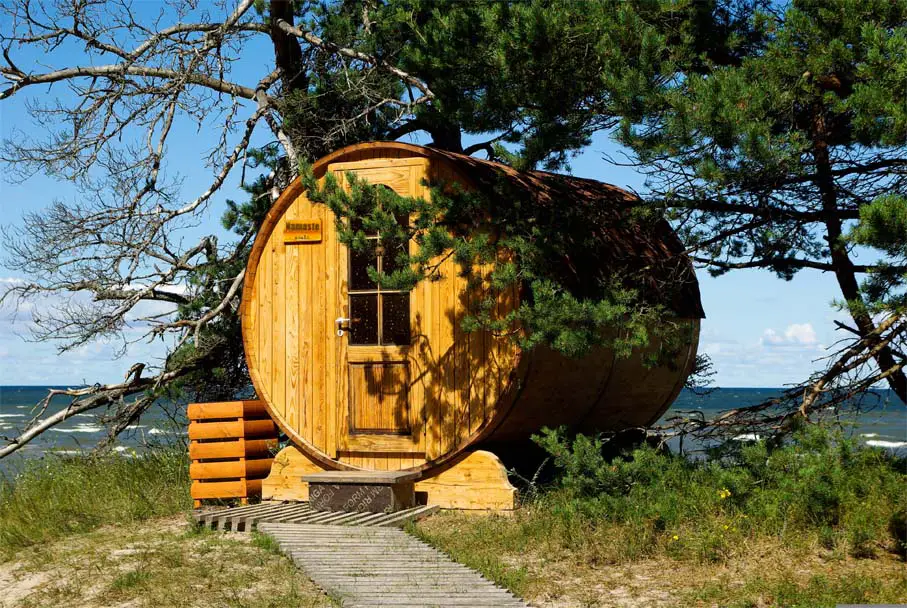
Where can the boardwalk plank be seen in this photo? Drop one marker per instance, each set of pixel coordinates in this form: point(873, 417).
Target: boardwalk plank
point(365, 558)
point(384, 567)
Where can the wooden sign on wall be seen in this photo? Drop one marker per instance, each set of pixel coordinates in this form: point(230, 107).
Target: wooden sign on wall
point(302, 231)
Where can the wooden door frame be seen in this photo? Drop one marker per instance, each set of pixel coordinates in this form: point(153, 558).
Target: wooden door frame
point(366, 442)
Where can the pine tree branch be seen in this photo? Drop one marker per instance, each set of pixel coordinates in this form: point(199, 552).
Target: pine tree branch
point(789, 262)
point(330, 47)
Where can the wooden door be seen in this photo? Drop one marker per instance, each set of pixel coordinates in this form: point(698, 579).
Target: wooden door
point(381, 415)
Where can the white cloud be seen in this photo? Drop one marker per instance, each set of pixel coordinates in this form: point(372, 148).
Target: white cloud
point(802, 333)
point(796, 334)
point(774, 358)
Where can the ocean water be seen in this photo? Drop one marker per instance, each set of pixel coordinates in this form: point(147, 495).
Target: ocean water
point(883, 426)
point(77, 434)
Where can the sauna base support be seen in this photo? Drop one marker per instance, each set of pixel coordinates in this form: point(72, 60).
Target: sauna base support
point(475, 481)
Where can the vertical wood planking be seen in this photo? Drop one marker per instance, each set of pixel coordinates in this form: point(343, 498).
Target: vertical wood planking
point(307, 364)
point(485, 370)
point(497, 348)
point(264, 315)
point(279, 355)
point(251, 320)
point(430, 377)
point(461, 348)
point(476, 371)
point(443, 337)
point(291, 346)
point(319, 337)
point(456, 378)
point(308, 302)
point(332, 298)
point(379, 397)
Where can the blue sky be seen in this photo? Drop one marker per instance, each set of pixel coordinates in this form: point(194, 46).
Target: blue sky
point(759, 330)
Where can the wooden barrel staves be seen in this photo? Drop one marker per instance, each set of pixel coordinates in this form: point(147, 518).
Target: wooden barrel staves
point(363, 378)
point(230, 449)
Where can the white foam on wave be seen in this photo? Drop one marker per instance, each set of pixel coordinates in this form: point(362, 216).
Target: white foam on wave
point(81, 428)
point(877, 443)
point(157, 432)
point(748, 437)
point(127, 452)
point(869, 435)
point(12, 415)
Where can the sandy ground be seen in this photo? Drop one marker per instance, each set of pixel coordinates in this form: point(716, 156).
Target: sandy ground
point(152, 564)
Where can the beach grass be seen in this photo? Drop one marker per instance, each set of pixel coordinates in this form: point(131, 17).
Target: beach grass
point(55, 496)
point(161, 562)
point(815, 522)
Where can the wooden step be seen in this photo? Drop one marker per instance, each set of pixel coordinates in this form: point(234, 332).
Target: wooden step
point(373, 478)
point(362, 491)
point(244, 519)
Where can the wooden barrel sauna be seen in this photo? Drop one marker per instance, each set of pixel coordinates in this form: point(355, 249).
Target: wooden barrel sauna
point(404, 387)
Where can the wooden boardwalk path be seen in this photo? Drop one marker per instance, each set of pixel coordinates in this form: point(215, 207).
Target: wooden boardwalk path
point(244, 519)
point(383, 566)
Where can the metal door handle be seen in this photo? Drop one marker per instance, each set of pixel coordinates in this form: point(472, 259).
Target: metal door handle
point(342, 324)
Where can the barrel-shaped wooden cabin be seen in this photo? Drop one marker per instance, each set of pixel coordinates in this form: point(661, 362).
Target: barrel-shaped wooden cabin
point(364, 378)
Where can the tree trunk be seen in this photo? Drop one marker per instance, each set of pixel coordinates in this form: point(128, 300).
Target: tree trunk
point(840, 259)
point(446, 136)
point(287, 51)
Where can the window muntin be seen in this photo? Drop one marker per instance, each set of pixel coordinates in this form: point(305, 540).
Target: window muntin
point(377, 316)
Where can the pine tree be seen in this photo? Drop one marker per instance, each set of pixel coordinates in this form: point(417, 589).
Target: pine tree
point(767, 155)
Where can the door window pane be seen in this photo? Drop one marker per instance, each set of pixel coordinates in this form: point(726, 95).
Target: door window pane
point(377, 317)
point(395, 319)
point(360, 261)
point(364, 319)
point(389, 259)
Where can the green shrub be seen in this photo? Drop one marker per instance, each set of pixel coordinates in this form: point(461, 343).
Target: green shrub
point(54, 496)
point(817, 486)
point(897, 526)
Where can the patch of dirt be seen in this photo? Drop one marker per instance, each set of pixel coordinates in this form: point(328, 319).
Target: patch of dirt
point(18, 584)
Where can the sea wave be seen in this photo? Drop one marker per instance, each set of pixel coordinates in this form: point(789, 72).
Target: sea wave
point(81, 428)
point(127, 452)
point(12, 415)
point(877, 443)
point(748, 437)
point(869, 435)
